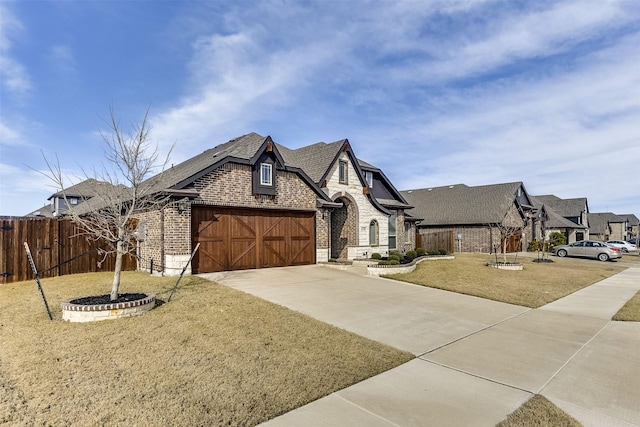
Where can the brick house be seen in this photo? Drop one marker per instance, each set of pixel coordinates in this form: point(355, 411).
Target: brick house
point(607, 226)
point(566, 216)
point(474, 217)
point(633, 224)
point(253, 203)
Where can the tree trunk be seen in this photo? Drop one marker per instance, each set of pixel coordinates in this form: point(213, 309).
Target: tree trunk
point(116, 273)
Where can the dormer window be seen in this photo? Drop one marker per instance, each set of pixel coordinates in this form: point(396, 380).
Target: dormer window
point(369, 177)
point(266, 174)
point(264, 177)
point(342, 172)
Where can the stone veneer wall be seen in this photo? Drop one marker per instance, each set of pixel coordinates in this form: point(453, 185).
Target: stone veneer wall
point(365, 211)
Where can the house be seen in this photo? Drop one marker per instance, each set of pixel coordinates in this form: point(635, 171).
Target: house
point(74, 195)
point(556, 222)
point(477, 218)
point(575, 211)
point(253, 203)
point(632, 229)
point(607, 226)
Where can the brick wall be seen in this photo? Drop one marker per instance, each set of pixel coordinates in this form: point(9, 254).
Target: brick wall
point(168, 234)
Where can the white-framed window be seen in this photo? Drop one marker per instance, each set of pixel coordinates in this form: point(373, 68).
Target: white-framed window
point(392, 231)
point(369, 177)
point(266, 174)
point(73, 201)
point(373, 233)
point(342, 172)
point(407, 232)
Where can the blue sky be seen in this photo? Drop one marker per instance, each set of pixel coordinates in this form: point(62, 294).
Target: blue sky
point(432, 92)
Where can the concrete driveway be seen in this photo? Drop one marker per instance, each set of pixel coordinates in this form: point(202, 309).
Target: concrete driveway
point(477, 360)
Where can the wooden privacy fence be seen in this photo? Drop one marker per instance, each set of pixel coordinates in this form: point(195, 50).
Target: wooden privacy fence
point(435, 240)
point(57, 249)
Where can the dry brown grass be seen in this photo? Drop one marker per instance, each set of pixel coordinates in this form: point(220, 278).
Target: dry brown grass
point(631, 258)
point(213, 356)
point(538, 284)
point(630, 312)
point(540, 412)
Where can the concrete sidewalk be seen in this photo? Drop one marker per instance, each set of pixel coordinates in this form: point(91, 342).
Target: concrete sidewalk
point(478, 360)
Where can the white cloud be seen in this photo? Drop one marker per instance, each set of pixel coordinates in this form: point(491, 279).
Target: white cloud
point(15, 79)
point(8, 135)
point(62, 58)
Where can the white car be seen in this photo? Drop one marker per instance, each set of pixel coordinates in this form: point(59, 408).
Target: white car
point(625, 246)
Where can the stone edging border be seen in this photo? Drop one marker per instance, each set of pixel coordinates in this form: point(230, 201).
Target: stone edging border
point(377, 270)
point(69, 306)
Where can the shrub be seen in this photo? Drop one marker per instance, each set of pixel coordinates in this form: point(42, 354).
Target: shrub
point(421, 252)
point(535, 245)
point(394, 256)
point(333, 260)
point(442, 252)
point(433, 252)
point(394, 262)
point(556, 238)
point(394, 252)
point(376, 255)
point(411, 255)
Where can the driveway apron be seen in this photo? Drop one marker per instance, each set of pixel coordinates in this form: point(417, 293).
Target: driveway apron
point(477, 360)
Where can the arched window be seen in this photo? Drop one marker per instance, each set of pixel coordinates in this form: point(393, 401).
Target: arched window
point(373, 233)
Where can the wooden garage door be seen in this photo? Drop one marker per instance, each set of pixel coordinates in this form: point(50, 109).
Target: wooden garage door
point(239, 239)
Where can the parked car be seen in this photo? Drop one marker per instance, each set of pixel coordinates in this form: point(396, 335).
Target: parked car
point(633, 241)
point(589, 249)
point(625, 246)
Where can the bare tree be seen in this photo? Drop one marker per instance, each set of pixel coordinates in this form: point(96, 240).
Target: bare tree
point(118, 192)
point(506, 233)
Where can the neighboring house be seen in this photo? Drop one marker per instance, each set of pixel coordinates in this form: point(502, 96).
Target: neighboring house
point(474, 216)
point(555, 222)
point(252, 203)
point(632, 230)
point(574, 210)
point(75, 195)
point(607, 226)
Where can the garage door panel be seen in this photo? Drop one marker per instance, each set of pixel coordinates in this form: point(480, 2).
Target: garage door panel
point(235, 239)
point(244, 254)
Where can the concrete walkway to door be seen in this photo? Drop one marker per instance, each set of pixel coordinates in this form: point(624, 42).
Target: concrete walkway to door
point(477, 360)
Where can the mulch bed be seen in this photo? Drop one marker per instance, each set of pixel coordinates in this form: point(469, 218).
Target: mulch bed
point(106, 299)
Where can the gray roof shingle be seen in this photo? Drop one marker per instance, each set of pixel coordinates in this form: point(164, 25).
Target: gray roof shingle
point(599, 221)
point(460, 204)
point(564, 207)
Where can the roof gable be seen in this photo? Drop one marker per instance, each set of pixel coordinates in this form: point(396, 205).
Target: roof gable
point(461, 204)
point(565, 207)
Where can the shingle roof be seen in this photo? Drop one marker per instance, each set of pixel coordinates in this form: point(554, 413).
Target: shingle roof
point(314, 159)
point(84, 189)
point(599, 221)
point(243, 148)
point(633, 220)
point(564, 207)
point(460, 204)
point(555, 220)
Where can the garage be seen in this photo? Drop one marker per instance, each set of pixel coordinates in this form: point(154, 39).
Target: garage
point(240, 239)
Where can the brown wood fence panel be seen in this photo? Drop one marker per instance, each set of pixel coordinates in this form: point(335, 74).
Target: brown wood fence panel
point(436, 240)
point(52, 242)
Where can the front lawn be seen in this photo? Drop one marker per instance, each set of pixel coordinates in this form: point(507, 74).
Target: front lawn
point(212, 356)
point(630, 312)
point(538, 284)
point(539, 411)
